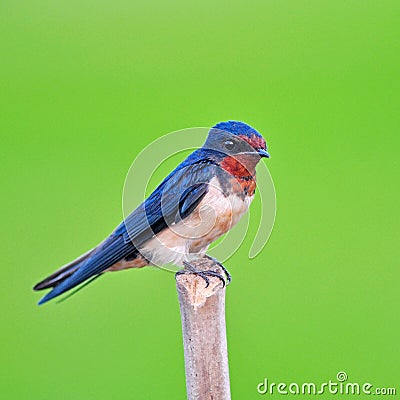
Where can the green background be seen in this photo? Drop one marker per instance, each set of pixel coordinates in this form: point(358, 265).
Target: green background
point(85, 85)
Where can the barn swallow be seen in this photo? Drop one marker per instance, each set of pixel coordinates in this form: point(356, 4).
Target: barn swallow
point(199, 201)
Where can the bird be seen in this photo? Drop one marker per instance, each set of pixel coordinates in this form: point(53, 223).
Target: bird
point(198, 202)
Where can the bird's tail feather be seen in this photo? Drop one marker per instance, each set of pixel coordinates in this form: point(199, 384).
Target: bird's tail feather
point(105, 255)
point(77, 289)
point(63, 273)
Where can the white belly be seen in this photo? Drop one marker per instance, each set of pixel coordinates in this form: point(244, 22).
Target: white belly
point(190, 238)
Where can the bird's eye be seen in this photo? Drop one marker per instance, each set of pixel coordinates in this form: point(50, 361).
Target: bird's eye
point(229, 145)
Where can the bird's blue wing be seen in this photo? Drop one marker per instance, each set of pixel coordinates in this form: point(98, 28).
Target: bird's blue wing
point(176, 197)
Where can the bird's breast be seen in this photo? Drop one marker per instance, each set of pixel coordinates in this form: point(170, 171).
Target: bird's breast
point(189, 238)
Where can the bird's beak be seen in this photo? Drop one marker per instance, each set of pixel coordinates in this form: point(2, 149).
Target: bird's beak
point(263, 153)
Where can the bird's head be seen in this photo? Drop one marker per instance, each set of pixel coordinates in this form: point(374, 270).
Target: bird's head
point(240, 147)
point(236, 138)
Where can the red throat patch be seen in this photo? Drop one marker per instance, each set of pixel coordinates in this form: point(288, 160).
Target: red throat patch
point(244, 176)
point(243, 167)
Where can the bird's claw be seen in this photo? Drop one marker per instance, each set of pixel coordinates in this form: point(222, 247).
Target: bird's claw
point(226, 272)
point(202, 274)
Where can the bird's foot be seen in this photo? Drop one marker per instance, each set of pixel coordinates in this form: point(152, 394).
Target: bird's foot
point(226, 272)
point(190, 269)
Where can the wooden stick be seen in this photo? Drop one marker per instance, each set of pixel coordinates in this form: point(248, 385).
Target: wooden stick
point(204, 334)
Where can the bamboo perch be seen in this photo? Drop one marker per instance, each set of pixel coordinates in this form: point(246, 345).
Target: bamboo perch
point(204, 333)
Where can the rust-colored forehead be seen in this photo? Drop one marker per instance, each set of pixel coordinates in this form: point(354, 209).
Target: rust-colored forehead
point(255, 141)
